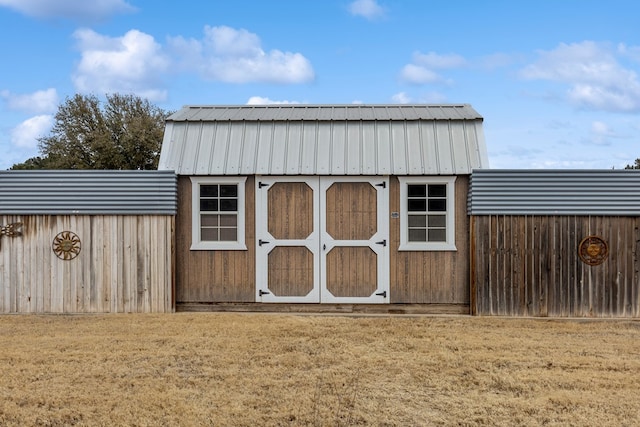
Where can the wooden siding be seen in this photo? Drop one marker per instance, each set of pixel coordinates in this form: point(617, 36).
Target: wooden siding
point(214, 276)
point(125, 265)
point(529, 266)
point(431, 277)
point(416, 277)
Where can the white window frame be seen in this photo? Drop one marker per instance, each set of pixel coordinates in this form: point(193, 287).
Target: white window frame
point(450, 243)
point(196, 242)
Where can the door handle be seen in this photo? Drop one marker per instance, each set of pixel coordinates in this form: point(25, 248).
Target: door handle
point(324, 247)
point(382, 242)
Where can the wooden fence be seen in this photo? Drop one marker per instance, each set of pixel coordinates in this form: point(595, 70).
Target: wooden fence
point(529, 266)
point(124, 264)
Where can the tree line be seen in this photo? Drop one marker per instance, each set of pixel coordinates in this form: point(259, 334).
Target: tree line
point(122, 132)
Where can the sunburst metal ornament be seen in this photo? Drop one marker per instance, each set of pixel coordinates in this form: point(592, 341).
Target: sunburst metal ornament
point(66, 245)
point(11, 230)
point(593, 250)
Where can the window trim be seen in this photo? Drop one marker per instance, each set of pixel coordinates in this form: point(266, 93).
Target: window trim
point(450, 243)
point(196, 242)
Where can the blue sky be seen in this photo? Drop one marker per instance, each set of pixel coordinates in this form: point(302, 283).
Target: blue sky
point(557, 81)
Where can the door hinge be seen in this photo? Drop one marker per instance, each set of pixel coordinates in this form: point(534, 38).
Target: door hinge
point(382, 242)
point(382, 294)
point(261, 292)
point(262, 184)
point(383, 184)
point(262, 242)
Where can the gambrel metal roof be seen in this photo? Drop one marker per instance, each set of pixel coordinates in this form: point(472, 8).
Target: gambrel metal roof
point(324, 140)
point(554, 192)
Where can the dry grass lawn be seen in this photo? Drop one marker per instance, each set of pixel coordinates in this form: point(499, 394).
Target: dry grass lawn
point(210, 369)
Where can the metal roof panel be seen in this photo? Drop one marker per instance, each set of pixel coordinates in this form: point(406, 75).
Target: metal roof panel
point(554, 192)
point(297, 112)
point(324, 140)
point(87, 192)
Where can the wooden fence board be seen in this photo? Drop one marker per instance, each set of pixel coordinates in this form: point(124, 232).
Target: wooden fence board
point(530, 266)
point(124, 265)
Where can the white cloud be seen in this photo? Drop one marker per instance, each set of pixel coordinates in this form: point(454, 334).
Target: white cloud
point(401, 98)
point(236, 56)
point(132, 63)
point(416, 74)
point(601, 133)
point(72, 9)
point(258, 100)
point(42, 101)
point(26, 134)
point(595, 77)
point(366, 8)
point(422, 68)
point(632, 52)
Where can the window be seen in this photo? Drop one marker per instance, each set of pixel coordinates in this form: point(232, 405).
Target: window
point(427, 217)
point(218, 213)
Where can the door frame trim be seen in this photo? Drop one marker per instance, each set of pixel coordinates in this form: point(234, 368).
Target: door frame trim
point(312, 242)
point(382, 233)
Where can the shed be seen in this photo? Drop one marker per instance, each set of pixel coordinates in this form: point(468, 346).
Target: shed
point(329, 206)
point(557, 243)
point(86, 241)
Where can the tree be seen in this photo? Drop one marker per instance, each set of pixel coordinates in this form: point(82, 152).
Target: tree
point(124, 133)
point(31, 163)
point(636, 165)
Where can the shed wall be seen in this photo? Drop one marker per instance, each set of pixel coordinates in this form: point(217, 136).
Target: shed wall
point(431, 277)
point(416, 277)
point(124, 265)
point(527, 265)
point(214, 276)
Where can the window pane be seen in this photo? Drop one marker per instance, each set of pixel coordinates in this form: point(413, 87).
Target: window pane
point(417, 235)
point(209, 234)
point(208, 191)
point(414, 190)
point(439, 190)
point(208, 205)
point(437, 235)
point(209, 220)
point(437, 221)
point(417, 220)
point(437, 205)
point(228, 220)
point(228, 234)
point(227, 205)
point(417, 205)
point(229, 191)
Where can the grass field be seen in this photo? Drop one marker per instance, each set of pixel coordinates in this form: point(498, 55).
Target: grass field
point(285, 370)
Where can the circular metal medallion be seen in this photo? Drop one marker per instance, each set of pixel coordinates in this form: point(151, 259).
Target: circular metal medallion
point(66, 245)
point(593, 250)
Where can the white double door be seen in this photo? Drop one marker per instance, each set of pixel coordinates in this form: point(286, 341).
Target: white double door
point(322, 239)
